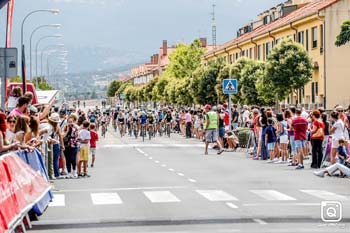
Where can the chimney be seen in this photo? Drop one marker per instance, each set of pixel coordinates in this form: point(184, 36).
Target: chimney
point(165, 47)
point(203, 42)
point(155, 59)
point(152, 59)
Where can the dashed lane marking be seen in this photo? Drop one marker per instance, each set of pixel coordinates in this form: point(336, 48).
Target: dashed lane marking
point(273, 195)
point(106, 199)
point(231, 205)
point(216, 195)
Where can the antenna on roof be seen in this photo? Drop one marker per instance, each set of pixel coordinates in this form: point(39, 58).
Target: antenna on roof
point(213, 26)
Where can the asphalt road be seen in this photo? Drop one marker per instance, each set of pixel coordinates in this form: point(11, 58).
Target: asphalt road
point(169, 185)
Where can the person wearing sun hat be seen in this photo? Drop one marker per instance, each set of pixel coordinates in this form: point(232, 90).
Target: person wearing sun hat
point(56, 139)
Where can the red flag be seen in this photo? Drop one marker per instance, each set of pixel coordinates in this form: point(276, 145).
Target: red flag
point(9, 23)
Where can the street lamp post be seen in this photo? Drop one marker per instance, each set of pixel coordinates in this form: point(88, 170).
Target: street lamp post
point(53, 11)
point(43, 51)
point(30, 43)
point(36, 52)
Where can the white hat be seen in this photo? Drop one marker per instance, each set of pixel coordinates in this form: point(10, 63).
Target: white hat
point(54, 118)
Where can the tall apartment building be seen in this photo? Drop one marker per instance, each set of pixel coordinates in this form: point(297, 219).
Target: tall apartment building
point(312, 23)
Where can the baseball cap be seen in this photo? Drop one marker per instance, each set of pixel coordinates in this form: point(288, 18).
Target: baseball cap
point(207, 106)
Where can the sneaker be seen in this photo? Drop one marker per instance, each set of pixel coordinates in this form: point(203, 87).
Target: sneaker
point(75, 176)
point(92, 165)
point(220, 151)
point(299, 167)
point(319, 173)
point(279, 162)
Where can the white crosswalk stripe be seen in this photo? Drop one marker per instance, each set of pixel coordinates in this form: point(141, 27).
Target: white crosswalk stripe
point(273, 195)
point(325, 195)
point(58, 201)
point(161, 196)
point(216, 195)
point(106, 199)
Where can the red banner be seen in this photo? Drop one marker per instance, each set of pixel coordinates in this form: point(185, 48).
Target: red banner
point(20, 188)
point(9, 23)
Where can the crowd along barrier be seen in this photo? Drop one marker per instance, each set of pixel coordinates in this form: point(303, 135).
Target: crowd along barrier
point(22, 188)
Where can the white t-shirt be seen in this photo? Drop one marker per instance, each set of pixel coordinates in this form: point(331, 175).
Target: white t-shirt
point(245, 116)
point(339, 130)
point(10, 136)
point(84, 134)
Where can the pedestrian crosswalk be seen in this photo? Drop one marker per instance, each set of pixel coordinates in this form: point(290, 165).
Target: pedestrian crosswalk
point(211, 195)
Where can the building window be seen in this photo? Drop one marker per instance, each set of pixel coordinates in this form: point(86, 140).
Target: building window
point(321, 36)
point(314, 37)
point(243, 53)
point(237, 56)
point(278, 41)
point(231, 59)
point(301, 37)
point(259, 52)
point(267, 49)
point(250, 53)
point(312, 92)
point(307, 40)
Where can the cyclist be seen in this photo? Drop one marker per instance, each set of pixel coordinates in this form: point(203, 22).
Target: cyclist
point(143, 122)
point(151, 120)
point(92, 117)
point(168, 119)
point(121, 122)
point(103, 121)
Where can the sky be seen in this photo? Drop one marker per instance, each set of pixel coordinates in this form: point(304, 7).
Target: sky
point(133, 26)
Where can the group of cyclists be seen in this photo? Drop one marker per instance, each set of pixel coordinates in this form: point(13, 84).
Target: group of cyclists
point(136, 122)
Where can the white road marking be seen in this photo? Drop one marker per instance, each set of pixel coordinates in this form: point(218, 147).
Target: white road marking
point(105, 199)
point(216, 195)
point(156, 161)
point(58, 200)
point(150, 158)
point(273, 195)
point(119, 189)
point(139, 150)
point(180, 174)
point(192, 180)
point(231, 205)
point(260, 221)
point(155, 146)
point(281, 204)
point(163, 165)
point(161, 197)
point(325, 195)
point(171, 169)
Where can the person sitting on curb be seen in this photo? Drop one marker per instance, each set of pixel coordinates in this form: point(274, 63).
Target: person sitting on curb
point(342, 165)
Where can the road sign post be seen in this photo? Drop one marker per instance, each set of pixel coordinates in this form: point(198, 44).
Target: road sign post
point(8, 69)
point(230, 87)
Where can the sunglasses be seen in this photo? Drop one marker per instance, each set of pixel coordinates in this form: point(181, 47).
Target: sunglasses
point(12, 122)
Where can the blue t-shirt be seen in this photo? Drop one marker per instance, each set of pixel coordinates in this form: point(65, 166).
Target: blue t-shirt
point(271, 134)
point(341, 150)
point(143, 119)
point(92, 118)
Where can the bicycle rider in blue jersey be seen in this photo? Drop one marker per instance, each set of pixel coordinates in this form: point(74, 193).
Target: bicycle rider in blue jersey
point(143, 120)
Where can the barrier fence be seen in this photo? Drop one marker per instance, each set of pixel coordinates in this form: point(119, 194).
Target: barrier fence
point(24, 187)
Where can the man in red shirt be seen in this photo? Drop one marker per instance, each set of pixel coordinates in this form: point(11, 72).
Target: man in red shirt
point(300, 125)
point(93, 140)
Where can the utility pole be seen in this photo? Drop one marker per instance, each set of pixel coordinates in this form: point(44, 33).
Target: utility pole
point(213, 26)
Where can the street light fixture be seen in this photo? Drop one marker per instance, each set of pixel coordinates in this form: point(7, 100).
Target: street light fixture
point(36, 49)
point(31, 37)
point(53, 11)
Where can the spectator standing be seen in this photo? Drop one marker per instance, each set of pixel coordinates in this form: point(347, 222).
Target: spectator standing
point(270, 140)
point(84, 140)
point(337, 131)
point(300, 125)
point(317, 137)
point(211, 128)
point(22, 107)
point(235, 117)
point(12, 100)
point(93, 143)
point(4, 144)
point(188, 120)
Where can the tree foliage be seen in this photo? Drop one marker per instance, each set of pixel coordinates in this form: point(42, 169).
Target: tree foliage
point(344, 35)
point(113, 87)
point(185, 59)
point(288, 67)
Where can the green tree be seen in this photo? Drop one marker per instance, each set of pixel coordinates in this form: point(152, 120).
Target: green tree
point(185, 59)
point(203, 83)
point(113, 87)
point(344, 35)
point(231, 72)
point(251, 72)
point(288, 68)
point(149, 89)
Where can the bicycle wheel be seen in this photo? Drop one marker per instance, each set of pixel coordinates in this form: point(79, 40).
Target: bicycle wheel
point(143, 133)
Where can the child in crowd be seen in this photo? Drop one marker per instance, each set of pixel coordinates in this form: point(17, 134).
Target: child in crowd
point(93, 140)
point(270, 140)
point(84, 140)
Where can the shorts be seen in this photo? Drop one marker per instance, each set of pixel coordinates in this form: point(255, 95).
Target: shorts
point(271, 146)
point(93, 151)
point(211, 135)
point(284, 139)
point(300, 144)
point(222, 132)
point(84, 153)
point(335, 143)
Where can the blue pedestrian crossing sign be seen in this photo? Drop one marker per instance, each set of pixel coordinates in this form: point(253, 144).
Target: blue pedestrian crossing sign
point(230, 86)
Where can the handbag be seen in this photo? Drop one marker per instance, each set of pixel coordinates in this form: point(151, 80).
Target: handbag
point(318, 134)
